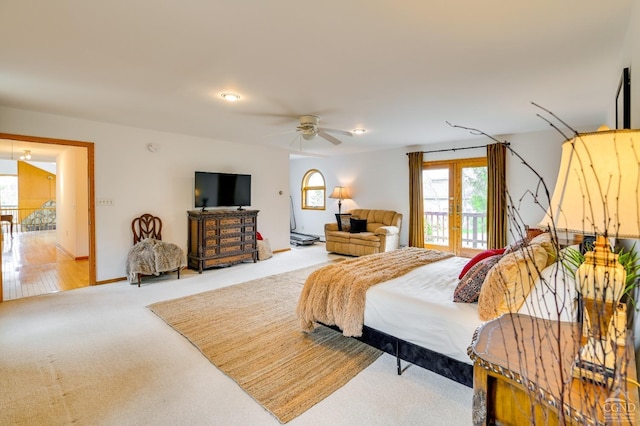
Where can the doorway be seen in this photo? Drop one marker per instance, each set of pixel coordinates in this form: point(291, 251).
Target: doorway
point(7, 142)
point(455, 205)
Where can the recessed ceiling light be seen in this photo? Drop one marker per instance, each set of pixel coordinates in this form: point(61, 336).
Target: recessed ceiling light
point(231, 97)
point(358, 131)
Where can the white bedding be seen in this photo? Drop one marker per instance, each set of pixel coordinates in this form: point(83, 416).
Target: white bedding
point(418, 307)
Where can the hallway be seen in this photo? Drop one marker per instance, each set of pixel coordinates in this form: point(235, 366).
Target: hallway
point(32, 264)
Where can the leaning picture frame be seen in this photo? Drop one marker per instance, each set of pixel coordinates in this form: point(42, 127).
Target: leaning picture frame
point(623, 101)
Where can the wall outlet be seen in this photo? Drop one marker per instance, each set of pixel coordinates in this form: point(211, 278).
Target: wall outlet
point(103, 202)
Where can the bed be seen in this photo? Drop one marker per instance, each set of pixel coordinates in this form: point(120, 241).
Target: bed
point(413, 316)
point(418, 310)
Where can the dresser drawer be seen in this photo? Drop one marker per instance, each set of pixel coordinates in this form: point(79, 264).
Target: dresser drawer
point(211, 251)
point(228, 260)
point(230, 221)
point(230, 249)
point(230, 240)
point(211, 223)
point(211, 233)
point(232, 230)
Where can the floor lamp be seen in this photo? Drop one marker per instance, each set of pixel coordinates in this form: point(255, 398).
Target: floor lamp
point(341, 193)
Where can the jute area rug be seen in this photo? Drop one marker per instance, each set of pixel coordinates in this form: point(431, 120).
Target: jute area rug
point(250, 331)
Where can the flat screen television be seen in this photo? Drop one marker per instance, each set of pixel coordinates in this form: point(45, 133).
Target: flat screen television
point(222, 190)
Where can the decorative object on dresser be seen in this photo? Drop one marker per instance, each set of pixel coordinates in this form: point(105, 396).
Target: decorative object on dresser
point(597, 194)
point(149, 255)
point(522, 375)
point(221, 238)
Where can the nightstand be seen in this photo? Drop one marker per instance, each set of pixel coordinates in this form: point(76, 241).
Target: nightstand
point(522, 375)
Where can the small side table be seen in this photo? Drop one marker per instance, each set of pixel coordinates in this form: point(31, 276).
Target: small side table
point(522, 375)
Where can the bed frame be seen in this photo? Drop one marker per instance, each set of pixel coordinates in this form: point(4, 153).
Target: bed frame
point(405, 351)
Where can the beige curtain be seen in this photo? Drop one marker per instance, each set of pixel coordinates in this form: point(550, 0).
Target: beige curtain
point(496, 196)
point(416, 203)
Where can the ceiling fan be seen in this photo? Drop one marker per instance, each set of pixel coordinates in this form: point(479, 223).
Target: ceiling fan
point(309, 129)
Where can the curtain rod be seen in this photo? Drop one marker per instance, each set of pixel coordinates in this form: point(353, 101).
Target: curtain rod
point(459, 149)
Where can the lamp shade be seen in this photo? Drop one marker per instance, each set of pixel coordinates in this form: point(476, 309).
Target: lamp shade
point(341, 193)
point(597, 191)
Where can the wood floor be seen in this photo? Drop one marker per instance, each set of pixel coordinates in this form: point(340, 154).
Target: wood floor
point(32, 264)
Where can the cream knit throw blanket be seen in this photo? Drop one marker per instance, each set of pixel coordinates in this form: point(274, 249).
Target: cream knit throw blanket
point(335, 294)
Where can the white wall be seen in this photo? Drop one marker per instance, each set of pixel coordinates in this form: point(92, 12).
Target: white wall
point(379, 180)
point(72, 203)
point(161, 183)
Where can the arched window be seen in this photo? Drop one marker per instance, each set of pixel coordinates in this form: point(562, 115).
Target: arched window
point(313, 190)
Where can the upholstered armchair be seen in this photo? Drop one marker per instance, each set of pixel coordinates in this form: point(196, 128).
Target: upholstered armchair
point(374, 231)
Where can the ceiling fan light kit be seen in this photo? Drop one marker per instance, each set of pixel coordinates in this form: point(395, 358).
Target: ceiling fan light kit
point(358, 131)
point(307, 136)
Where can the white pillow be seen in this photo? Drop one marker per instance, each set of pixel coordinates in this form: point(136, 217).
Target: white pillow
point(554, 295)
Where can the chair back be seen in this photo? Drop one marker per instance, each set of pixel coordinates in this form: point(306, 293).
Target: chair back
point(146, 226)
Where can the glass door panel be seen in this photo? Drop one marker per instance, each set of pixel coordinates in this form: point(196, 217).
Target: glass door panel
point(437, 207)
point(473, 220)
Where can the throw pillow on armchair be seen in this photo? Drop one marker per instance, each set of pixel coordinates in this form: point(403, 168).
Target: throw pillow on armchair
point(344, 222)
point(358, 225)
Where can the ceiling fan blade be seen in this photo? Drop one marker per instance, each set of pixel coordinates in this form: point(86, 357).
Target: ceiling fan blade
point(342, 132)
point(297, 139)
point(329, 137)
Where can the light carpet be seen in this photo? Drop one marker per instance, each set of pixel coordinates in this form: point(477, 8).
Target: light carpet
point(251, 333)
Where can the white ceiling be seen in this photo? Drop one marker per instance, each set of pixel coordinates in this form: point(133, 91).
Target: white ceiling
point(400, 69)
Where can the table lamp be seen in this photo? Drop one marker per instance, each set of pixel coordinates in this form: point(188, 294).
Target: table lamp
point(341, 193)
point(597, 194)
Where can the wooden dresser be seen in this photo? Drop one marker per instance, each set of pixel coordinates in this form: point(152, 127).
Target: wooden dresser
point(522, 375)
point(221, 238)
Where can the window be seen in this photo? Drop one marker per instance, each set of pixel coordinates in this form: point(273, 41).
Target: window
point(455, 205)
point(9, 191)
point(313, 190)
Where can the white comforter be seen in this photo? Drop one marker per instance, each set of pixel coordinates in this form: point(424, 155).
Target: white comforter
point(418, 307)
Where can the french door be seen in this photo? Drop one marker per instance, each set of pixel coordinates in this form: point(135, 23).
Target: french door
point(455, 205)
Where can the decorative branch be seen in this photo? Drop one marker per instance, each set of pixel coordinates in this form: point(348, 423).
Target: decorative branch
point(557, 118)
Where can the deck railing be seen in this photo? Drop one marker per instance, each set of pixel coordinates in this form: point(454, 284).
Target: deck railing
point(474, 229)
point(25, 220)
